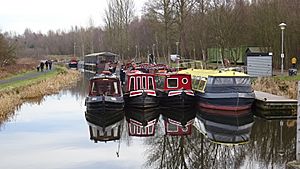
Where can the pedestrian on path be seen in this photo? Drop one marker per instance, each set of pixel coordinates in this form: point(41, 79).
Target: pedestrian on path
point(294, 62)
point(46, 64)
point(42, 64)
point(50, 64)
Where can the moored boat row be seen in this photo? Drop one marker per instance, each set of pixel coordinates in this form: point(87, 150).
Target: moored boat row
point(223, 94)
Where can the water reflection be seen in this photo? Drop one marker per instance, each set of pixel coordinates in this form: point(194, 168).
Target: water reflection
point(230, 127)
point(56, 131)
point(103, 127)
point(141, 122)
point(178, 121)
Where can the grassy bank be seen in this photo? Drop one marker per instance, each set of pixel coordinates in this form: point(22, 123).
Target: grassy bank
point(279, 85)
point(13, 95)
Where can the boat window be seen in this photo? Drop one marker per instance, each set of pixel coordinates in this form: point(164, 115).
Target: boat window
point(210, 80)
point(150, 129)
point(151, 87)
point(195, 83)
point(159, 80)
point(172, 128)
point(144, 82)
point(223, 81)
point(131, 87)
point(94, 88)
point(242, 81)
point(202, 85)
point(138, 79)
point(172, 82)
point(185, 81)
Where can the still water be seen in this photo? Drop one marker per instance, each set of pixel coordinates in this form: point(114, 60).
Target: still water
point(53, 133)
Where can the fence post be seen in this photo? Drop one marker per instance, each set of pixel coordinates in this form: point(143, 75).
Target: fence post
point(298, 126)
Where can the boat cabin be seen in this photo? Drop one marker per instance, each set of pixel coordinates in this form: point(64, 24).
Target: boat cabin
point(137, 81)
point(105, 85)
point(172, 81)
point(73, 63)
point(217, 81)
point(223, 82)
point(136, 128)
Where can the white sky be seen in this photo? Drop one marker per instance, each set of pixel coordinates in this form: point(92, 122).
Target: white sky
point(44, 15)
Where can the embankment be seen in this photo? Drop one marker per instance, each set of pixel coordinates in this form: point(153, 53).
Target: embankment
point(11, 99)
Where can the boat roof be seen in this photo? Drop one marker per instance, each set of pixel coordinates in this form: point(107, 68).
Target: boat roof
point(172, 73)
point(138, 72)
point(101, 54)
point(214, 73)
point(104, 76)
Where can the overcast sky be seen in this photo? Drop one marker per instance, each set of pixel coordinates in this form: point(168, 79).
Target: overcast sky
point(44, 15)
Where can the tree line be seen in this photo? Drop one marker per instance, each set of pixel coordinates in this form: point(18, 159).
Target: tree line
point(186, 27)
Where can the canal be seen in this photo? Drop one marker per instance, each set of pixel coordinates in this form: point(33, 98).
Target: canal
point(53, 133)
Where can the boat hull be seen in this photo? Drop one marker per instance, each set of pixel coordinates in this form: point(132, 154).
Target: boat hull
point(225, 101)
point(98, 104)
point(181, 100)
point(141, 101)
point(104, 119)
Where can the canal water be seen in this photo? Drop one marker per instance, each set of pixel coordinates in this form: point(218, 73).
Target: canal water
point(53, 133)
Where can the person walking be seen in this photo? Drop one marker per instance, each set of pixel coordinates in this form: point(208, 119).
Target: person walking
point(122, 74)
point(50, 64)
point(42, 64)
point(46, 64)
point(294, 62)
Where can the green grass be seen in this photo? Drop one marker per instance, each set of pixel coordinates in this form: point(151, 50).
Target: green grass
point(288, 78)
point(31, 81)
point(18, 75)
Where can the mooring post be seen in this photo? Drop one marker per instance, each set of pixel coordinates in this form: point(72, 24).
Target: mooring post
point(298, 126)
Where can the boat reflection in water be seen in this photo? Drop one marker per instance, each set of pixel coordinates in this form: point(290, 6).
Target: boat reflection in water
point(221, 126)
point(105, 128)
point(178, 122)
point(141, 122)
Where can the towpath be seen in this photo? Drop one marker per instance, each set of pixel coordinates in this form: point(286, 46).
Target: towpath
point(25, 76)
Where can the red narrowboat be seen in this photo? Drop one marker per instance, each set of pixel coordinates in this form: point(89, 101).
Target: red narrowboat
point(140, 90)
point(174, 90)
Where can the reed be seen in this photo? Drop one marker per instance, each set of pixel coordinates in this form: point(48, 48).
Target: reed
point(12, 99)
point(287, 88)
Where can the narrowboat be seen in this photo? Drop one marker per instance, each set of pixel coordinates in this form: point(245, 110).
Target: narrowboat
point(98, 62)
point(174, 90)
point(222, 89)
point(73, 64)
point(140, 90)
point(103, 127)
point(105, 94)
point(225, 129)
point(178, 122)
point(141, 122)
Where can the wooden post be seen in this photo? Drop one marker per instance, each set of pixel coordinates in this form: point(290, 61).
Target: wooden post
point(298, 126)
